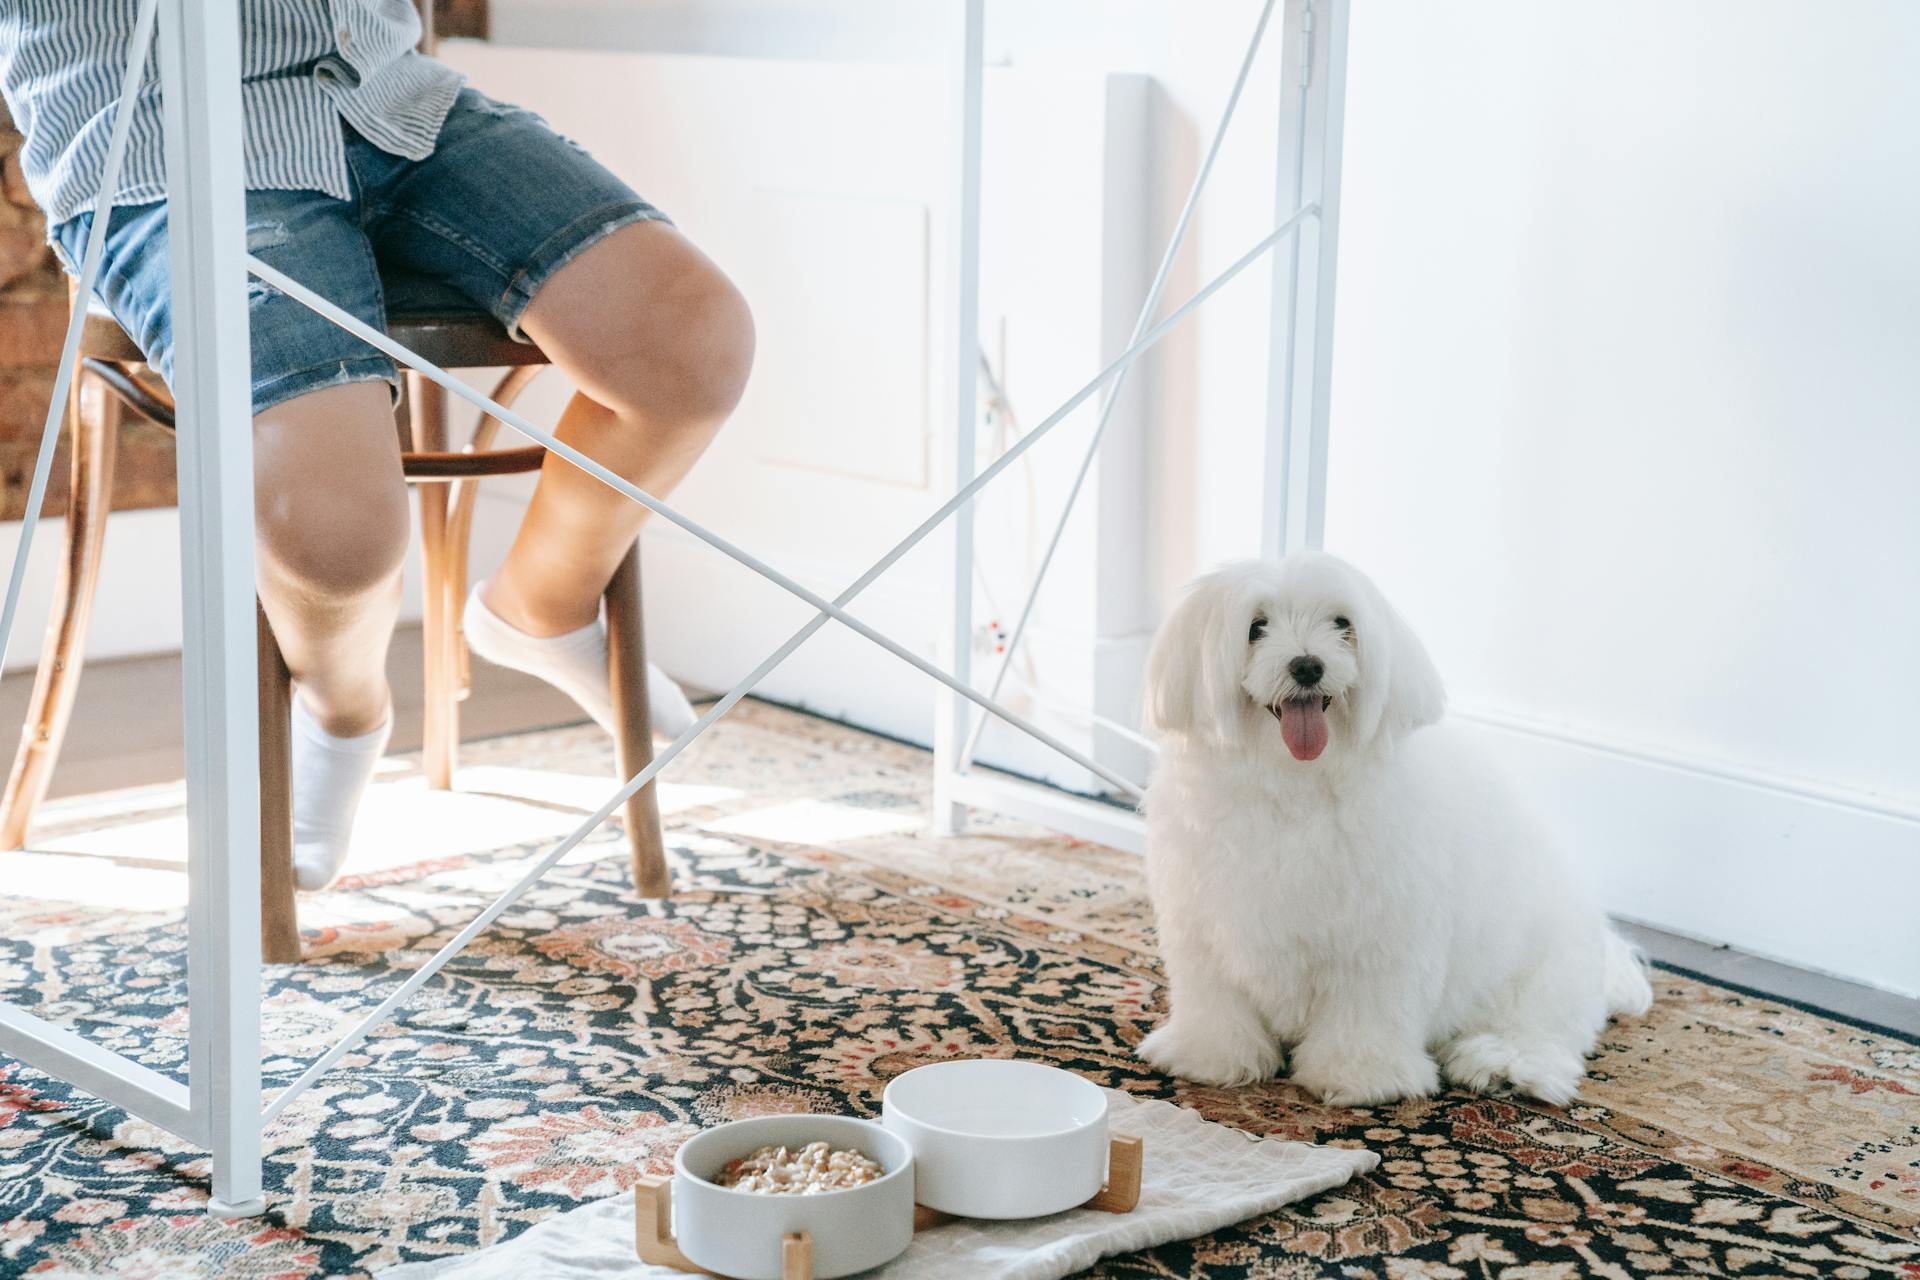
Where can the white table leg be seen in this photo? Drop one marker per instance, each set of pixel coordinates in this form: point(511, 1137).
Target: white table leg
point(1313, 90)
point(960, 387)
point(200, 75)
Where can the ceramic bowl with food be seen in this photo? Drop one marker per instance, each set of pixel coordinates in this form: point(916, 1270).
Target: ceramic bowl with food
point(858, 1217)
point(993, 1138)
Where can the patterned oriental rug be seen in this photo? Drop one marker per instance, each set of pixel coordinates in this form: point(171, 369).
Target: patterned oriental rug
point(821, 944)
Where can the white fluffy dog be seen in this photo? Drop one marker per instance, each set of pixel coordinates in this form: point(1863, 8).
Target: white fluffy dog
point(1339, 877)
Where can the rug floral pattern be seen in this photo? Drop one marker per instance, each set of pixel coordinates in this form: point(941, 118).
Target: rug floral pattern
point(821, 944)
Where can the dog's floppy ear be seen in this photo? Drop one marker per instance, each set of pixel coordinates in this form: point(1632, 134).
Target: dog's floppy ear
point(1194, 669)
point(1400, 688)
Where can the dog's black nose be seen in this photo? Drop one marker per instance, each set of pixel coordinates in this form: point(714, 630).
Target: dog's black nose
point(1306, 671)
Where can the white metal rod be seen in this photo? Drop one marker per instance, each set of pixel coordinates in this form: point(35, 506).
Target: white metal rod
point(307, 297)
point(355, 326)
point(1278, 511)
point(102, 1072)
point(1329, 150)
point(1300, 359)
point(539, 868)
point(1112, 394)
point(960, 384)
point(555, 445)
point(41, 1044)
point(199, 48)
point(1098, 721)
point(740, 690)
point(352, 324)
point(137, 50)
point(1054, 419)
point(1107, 824)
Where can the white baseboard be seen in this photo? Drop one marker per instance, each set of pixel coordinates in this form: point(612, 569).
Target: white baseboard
point(1789, 869)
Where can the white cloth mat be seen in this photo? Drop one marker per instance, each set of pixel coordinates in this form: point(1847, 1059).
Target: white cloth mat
point(1198, 1177)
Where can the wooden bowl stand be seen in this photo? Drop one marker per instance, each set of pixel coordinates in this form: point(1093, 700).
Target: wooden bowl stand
point(653, 1215)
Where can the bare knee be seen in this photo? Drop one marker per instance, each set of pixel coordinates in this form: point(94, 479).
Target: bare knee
point(329, 502)
point(334, 542)
point(711, 349)
point(689, 369)
point(650, 327)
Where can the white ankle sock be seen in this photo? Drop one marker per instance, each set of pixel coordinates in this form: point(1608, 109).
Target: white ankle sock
point(329, 776)
point(574, 663)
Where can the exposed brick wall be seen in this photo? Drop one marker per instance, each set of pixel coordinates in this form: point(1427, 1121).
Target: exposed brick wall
point(461, 18)
point(33, 320)
point(33, 313)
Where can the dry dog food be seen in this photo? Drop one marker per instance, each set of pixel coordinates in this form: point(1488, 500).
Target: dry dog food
point(799, 1171)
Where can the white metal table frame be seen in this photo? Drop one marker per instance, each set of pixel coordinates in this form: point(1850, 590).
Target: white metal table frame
point(1300, 368)
point(220, 1106)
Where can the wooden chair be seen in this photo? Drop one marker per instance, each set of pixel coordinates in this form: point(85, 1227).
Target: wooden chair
point(111, 376)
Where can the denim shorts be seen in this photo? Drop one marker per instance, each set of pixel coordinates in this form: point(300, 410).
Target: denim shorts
point(481, 224)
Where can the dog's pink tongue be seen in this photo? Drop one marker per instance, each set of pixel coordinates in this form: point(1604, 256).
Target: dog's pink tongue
point(1303, 723)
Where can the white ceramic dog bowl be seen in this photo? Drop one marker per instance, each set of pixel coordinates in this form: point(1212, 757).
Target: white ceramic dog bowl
point(999, 1139)
point(739, 1233)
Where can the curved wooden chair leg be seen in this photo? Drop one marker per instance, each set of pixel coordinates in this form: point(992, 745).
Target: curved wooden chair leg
point(627, 667)
point(440, 736)
point(461, 497)
point(279, 919)
point(93, 423)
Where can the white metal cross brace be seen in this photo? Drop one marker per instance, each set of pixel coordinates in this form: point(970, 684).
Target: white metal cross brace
point(219, 1106)
point(1111, 396)
point(828, 610)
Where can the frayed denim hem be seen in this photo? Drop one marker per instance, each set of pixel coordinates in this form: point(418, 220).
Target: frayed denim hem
point(334, 373)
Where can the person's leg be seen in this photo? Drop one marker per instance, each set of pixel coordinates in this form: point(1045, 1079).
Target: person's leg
point(331, 513)
point(330, 508)
point(331, 516)
point(659, 343)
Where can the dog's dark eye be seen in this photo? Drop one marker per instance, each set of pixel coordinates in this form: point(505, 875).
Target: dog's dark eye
point(1342, 623)
point(1258, 629)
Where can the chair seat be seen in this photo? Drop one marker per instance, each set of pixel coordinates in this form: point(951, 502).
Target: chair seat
point(104, 339)
point(424, 316)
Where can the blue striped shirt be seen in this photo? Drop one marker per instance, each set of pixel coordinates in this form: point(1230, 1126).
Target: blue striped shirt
point(305, 65)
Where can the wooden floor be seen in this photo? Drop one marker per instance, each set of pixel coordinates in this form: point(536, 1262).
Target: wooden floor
point(126, 732)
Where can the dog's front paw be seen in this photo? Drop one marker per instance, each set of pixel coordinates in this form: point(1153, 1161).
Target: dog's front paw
point(1537, 1067)
point(1211, 1054)
point(1364, 1077)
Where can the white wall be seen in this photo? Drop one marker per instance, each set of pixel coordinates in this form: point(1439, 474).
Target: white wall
point(1626, 393)
point(1630, 323)
point(1627, 417)
point(1207, 382)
